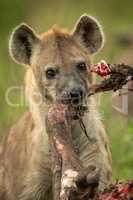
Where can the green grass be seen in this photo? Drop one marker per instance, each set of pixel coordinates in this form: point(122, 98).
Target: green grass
point(116, 17)
point(120, 132)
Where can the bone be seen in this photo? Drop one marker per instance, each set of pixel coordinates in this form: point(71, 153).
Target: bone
point(118, 76)
point(68, 171)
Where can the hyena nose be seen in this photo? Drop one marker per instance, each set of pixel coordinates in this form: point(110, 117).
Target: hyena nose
point(76, 95)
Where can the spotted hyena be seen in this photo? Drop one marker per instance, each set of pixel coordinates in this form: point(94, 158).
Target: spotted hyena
point(56, 65)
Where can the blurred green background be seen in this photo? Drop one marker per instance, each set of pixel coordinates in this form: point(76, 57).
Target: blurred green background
point(116, 16)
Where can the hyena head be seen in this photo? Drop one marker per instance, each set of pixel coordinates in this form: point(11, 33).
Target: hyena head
point(58, 59)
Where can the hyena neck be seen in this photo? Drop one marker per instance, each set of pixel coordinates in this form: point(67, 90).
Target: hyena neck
point(91, 122)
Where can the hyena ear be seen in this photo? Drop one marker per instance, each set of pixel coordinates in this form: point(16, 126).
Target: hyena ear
point(88, 32)
point(22, 43)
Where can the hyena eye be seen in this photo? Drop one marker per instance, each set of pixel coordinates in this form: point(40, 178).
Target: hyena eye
point(51, 73)
point(82, 66)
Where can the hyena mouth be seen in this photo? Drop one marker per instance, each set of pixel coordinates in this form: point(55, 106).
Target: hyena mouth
point(77, 104)
point(78, 111)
